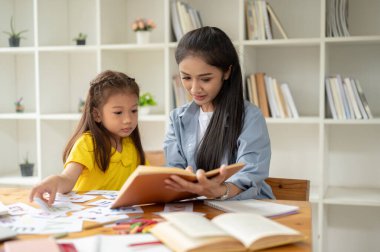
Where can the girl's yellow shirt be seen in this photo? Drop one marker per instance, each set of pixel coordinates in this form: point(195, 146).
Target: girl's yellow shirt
point(121, 166)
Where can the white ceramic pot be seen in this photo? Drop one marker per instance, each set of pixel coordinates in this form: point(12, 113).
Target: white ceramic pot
point(142, 37)
point(144, 110)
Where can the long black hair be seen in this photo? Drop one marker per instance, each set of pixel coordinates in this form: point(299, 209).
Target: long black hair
point(102, 87)
point(220, 139)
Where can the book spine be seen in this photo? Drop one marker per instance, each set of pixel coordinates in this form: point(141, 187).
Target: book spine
point(330, 100)
point(276, 21)
point(263, 101)
point(357, 98)
point(289, 99)
point(363, 99)
point(351, 94)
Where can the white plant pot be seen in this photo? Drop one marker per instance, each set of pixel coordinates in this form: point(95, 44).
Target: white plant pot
point(142, 37)
point(144, 110)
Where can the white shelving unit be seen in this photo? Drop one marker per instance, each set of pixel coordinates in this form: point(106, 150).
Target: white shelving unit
point(340, 158)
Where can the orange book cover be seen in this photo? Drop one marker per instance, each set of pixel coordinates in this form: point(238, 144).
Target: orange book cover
point(146, 185)
point(263, 101)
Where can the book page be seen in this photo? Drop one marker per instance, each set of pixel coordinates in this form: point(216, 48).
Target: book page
point(193, 225)
point(248, 227)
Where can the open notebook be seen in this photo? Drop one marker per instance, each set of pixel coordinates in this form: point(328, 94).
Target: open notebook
point(264, 208)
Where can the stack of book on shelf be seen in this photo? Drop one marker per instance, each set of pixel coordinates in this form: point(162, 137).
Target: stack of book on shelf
point(259, 19)
point(336, 18)
point(181, 96)
point(346, 99)
point(274, 99)
point(184, 18)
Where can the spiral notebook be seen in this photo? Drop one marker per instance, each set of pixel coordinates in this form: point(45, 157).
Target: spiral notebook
point(264, 208)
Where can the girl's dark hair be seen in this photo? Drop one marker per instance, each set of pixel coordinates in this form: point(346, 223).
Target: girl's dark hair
point(102, 87)
point(220, 139)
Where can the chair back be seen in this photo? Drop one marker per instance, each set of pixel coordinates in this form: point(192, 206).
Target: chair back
point(290, 189)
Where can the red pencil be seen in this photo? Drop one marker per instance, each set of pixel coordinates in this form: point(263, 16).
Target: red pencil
point(144, 243)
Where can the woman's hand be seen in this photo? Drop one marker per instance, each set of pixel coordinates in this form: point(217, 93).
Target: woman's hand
point(210, 188)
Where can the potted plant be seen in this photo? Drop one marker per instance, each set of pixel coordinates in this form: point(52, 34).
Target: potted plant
point(26, 167)
point(143, 27)
point(19, 106)
point(14, 37)
point(146, 101)
point(81, 39)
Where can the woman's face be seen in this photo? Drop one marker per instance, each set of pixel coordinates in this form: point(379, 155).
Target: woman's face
point(201, 80)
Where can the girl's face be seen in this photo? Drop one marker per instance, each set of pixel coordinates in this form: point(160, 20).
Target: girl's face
point(201, 80)
point(119, 114)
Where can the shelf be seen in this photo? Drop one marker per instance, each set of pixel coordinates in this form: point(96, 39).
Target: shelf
point(354, 40)
point(13, 180)
point(16, 50)
point(352, 122)
point(301, 120)
point(352, 196)
point(283, 42)
point(18, 116)
point(68, 48)
point(143, 47)
point(314, 194)
point(71, 117)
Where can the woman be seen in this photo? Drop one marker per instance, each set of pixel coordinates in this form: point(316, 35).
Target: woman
point(218, 126)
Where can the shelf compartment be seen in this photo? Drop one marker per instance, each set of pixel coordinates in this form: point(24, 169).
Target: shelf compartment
point(293, 20)
point(351, 228)
point(352, 196)
point(352, 155)
point(59, 22)
point(287, 146)
point(22, 13)
point(297, 66)
point(227, 8)
point(117, 18)
point(17, 78)
point(147, 67)
point(56, 134)
point(19, 137)
point(152, 139)
point(64, 79)
point(363, 18)
point(360, 62)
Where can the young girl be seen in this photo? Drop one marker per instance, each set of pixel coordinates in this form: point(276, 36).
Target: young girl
point(106, 147)
point(219, 126)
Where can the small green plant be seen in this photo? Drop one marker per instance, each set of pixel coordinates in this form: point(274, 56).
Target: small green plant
point(14, 37)
point(80, 39)
point(26, 159)
point(147, 99)
point(81, 36)
point(19, 105)
point(13, 34)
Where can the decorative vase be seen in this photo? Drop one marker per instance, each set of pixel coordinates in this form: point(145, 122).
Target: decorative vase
point(144, 110)
point(14, 41)
point(19, 108)
point(81, 42)
point(142, 37)
point(26, 169)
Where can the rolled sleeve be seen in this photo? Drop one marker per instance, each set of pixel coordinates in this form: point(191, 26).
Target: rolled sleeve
point(254, 150)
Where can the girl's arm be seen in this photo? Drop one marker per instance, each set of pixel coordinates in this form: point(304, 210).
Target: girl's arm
point(62, 183)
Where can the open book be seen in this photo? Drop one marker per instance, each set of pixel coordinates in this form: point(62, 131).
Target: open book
point(146, 185)
point(264, 208)
point(186, 231)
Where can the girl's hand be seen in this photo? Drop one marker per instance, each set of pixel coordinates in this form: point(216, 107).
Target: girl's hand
point(50, 186)
point(210, 188)
point(63, 183)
